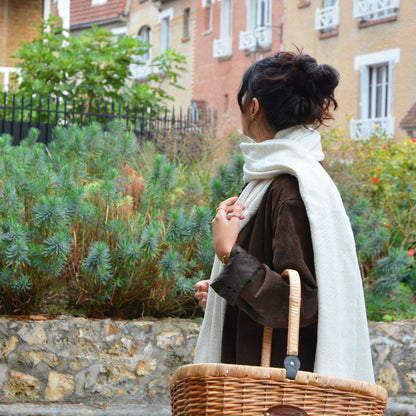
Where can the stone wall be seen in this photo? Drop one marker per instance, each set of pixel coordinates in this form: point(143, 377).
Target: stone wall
point(104, 361)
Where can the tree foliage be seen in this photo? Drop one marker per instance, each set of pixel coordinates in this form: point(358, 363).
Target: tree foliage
point(95, 64)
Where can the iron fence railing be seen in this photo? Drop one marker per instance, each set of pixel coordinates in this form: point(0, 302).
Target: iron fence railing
point(19, 113)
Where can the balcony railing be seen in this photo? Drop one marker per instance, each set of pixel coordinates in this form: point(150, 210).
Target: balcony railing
point(5, 72)
point(375, 9)
point(365, 128)
point(223, 48)
point(260, 37)
point(140, 71)
point(328, 18)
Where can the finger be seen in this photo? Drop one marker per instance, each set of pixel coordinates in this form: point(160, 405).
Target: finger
point(202, 286)
point(238, 208)
point(229, 201)
point(227, 204)
point(237, 212)
point(199, 296)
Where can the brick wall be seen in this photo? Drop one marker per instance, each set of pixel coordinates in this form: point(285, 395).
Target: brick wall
point(217, 81)
point(16, 19)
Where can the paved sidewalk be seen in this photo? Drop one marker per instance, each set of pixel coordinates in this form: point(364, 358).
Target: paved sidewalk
point(397, 406)
point(30, 409)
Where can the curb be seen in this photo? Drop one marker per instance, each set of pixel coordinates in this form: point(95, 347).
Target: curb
point(33, 409)
point(398, 406)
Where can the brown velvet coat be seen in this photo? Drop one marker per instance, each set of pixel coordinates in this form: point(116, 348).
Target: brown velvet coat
point(276, 238)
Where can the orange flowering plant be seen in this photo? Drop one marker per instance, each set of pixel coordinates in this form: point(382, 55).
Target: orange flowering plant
point(377, 181)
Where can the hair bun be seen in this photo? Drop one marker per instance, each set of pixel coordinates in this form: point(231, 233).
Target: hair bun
point(326, 79)
point(316, 79)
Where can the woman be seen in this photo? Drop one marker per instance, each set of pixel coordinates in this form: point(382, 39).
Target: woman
point(289, 215)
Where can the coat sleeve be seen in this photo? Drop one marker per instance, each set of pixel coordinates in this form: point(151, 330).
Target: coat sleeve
point(259, 289)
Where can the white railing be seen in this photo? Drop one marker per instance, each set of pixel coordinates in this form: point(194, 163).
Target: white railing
point(223, 48)
point(140, 71)
point(375, 9)
point(261, 37)
point(365, 128)
point(328, 18)
point(5, 72)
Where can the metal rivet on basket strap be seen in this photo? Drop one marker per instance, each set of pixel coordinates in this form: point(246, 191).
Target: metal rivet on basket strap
point(292, 365)
point(285, 410)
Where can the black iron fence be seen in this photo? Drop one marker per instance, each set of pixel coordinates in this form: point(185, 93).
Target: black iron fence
point(19, 113)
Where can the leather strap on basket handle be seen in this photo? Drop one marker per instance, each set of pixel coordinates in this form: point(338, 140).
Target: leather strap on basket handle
point(293, 325)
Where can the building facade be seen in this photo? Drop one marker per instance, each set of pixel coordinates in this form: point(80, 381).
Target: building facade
point(229, 36)
point(17, 25)
point(372, 43)
point(111, 14)
point(165, 24)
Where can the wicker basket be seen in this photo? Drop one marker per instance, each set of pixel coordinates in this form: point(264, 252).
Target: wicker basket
point(226, 389)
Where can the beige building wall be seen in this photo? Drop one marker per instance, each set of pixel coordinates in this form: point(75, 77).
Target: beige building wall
point(149, 14)
point(350, 41)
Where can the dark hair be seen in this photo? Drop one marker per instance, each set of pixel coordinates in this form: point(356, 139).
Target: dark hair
point(291, 89)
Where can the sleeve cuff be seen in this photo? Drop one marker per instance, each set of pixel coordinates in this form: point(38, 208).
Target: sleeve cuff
point(237, 272)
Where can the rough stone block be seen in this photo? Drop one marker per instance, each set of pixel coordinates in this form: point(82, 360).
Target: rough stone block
point(59, 385)
point(21, 386)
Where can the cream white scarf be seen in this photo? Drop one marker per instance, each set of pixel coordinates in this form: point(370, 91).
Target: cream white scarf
point(343, 347)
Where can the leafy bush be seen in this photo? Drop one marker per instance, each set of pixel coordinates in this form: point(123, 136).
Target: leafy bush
point(94, 66)
point(81, 230)
point(377, 180)
point(94, 224)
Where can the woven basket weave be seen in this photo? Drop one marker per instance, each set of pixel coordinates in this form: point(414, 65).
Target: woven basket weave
point(226, 389)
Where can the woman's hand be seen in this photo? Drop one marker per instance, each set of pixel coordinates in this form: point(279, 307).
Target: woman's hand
point(201, 293)
point(226, 225)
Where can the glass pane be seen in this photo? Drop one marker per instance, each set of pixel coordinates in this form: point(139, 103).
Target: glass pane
point(260, 12)
point(370, 91)
point(330, 3)
point(378, 91)
point(165, 35)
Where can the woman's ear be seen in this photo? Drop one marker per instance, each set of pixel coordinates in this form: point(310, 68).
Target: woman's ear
point(254, 108)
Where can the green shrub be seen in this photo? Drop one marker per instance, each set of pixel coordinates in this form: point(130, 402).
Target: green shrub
point(377, 178)
point(95, 224)
point(82, 231)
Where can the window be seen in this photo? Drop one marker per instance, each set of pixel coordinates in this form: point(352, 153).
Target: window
point(327, 18)
point(186, 23)
point(119, 31)
point(165, 17)
point(143, 68)
point(376, 93)
point(259, 29)
point(207, 5)
point(368, 10)
point(223, 47)
point(145, 34)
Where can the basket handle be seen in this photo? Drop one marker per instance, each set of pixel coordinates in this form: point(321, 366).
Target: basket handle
point(293, 325)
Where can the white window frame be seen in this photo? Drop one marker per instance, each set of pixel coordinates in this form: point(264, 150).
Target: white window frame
point(98, 2)
point(368, 123)
point(223, 47)
point(207, 4)
point(119, 31)
point(142, 69)
point(187, 22)
point(165, 18)
point(327, 18)
point(259, 26)
point(5, 73)
point(368, 10)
